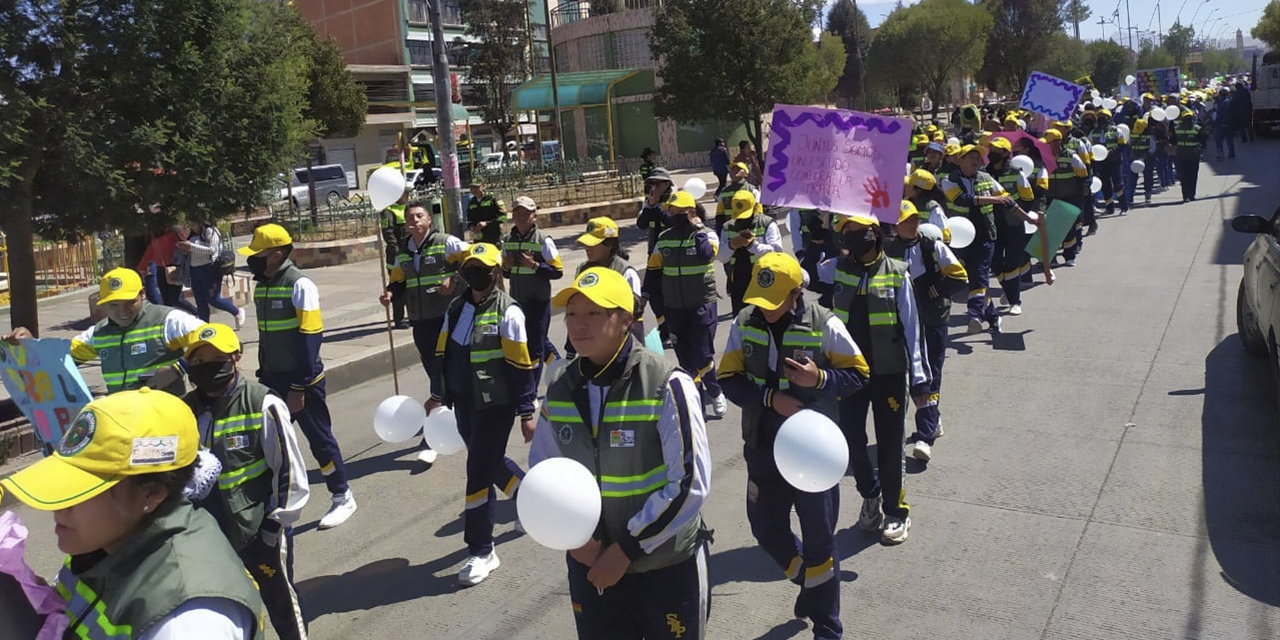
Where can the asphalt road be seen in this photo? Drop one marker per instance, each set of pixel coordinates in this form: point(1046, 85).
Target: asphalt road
point(1111, 469)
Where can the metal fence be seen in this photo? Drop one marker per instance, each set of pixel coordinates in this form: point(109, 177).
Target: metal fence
point(351, 219)
point(65, 265)
point(558, 184)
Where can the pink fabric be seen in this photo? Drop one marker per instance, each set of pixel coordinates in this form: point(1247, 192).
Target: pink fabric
point(44, 599)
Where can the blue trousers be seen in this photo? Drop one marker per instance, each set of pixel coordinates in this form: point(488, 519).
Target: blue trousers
point(1222, 132)
point(886, 396)
point(425, 333)
point(1075, 237)
point(317, 426)
point(929, 416)
point(1011, 260)
point(159, 291)
point(206, 286)
point(813, 562)
point(695, 331)
point(670, 603)
point(977, 259)
point(272, 569)
point(486, 431)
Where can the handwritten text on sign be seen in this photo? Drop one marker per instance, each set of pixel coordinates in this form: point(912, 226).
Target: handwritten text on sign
point(835, 160)
point(45, 384)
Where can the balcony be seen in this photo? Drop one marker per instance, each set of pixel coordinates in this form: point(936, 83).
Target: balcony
point(570, 11)
point(420, 13)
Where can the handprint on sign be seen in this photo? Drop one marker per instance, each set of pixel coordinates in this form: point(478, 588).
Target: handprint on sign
point(879, 195)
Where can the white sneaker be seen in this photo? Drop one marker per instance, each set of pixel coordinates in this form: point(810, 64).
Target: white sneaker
point(975, 327)
point(922, 451)
point(870, 517)
point(998, 325)
point(1015, 310)
point(895, 530)
point(427, 456)
point(477, 569)
point(240, 316)
point(719, 406)
point(343, 506)
point(939, 434)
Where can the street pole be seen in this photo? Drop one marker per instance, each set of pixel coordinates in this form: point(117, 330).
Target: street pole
point(1128, 18)
point(448, 151)
point(555, 95)
point(1159, 26)
point(862, 72)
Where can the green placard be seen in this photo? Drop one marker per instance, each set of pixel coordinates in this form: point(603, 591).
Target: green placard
point(1058, 219)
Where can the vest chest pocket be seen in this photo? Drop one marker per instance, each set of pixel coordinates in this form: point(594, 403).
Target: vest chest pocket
point(277, 304)
point(137, 349)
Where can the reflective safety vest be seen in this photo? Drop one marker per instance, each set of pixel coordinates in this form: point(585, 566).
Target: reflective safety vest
point(802, 338)
point(615, 262)
point(758, 224)
point(1188, 139)
point(623, 450)
point(726, 196)
point(1063, 183)
point(525, 286)
point(933, 310)
point(131, 355)
point(1107, 137)
point(688, 280)
point(1140, 143)
point(866, 301)
point(178, 556)
point(1008, 179)
point(490, 374)
point(231, 429)
point(279, 346)
point(983, 185)
point(423, 299)
point(396, 217)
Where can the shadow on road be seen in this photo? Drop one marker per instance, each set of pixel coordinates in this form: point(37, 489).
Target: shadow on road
point(1241, 470)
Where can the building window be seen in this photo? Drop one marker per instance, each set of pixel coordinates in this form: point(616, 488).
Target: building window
point(419, 52)
point(631, 50)
point(420, 12)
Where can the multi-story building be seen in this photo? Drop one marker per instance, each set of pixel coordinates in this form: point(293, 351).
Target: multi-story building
point(388, 47)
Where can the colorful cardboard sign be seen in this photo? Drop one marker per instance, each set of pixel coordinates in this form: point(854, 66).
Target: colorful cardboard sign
point(836, 160)
point(1058, 220)
point(43, 381)
point(1050, 96)
point(1158, 81)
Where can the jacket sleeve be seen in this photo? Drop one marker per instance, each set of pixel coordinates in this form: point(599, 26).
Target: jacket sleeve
point(738, 387)
point(772, 241)
point(515, 350)
point(1078, 166)
point(956, 193)
point(179, 327)
point(914, 338)
point(544, 441)
point(849, 369)
point(82, 346)
point(551, 267)
point(288, 468)
point(306, 300)
point(688, 461)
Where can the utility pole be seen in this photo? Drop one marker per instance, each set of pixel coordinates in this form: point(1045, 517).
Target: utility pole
point(555, 95)
point(448, 151)
point(862, 72)
point(1128, 17)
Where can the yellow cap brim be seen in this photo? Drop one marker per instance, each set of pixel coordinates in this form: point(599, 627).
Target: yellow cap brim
point(215, 343)
point(743, 215)
point(758, 297)
point(598, 295)
point(249, 251)
point(589, 240)
point(119, 294)
point(53, 483)
point(486, 260)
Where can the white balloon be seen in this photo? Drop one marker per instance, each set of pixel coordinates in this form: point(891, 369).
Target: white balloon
point(1099, 152)
point(1095, 185)
point(695, 187)
point(1157, 114)
point(441, 432)
point(559, 504)
point(1129, 80)
point(1022, 124)
point(810, 451)
point(398, 418)
point(1023, 164)
point(1095, 95)
point(1171, 112)
point(1123, 131)
point(1137, 166)
point(953, 140)
point(1029, 227)
point(930, 230)
point(962, 232)
point(1108, 104)
point(386, 186)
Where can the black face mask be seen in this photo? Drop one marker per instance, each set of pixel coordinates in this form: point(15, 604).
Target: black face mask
point(478, 278)
point(681, 223)
point(859, 243)
point(257, 266)
point(212, 377)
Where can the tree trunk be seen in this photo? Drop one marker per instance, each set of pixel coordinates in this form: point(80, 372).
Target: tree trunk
point(20, 247)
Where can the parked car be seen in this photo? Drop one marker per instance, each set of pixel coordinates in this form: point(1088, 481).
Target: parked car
point(331, 185)
point(1258, 301)
point(498, 159)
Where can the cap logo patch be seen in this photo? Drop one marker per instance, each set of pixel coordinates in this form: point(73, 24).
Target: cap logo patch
point(478, 250)
point(79, 435)
point(588, 280)
point(154, 451)
point(207, 333)
point(114, 284)
point(765, 278)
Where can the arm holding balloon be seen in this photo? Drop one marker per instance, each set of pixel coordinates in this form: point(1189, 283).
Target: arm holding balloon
point(740, 389)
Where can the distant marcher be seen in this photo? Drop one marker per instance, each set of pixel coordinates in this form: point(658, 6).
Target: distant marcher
point(747, 155)
point(204, 245)
point(720, 163)
point(646, 163)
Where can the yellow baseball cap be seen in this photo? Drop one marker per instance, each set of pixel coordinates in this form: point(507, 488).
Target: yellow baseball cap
point(773, 278)
point(951, 150)
point(268, 236)
point(129, 433)
point(908, 210)
point(743, 204)
point(1052, 134)
point(843, 219)
point(215, 334)
point(682, 200)
point(921, 179)
point(598, 230)
point(601, 285)
point(968, 149)
point(1062, 124)
point(1001, 143)
point(485, 253)
point(119, 284)
point(740, 165)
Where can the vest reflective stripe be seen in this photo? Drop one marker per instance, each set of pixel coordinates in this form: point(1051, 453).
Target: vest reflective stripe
point(427, 281)
point(525, 286)
point(882, 338)
point(519, 246)
point(484, 359)
point(561, 411)
point(486, 319)
point(628, 486)
point(87, 607)
point(237, 424)
point(689, 281)
point(127, 356)
point(759, 225)
point(625, 410)
point(230, 479)
point(803, 334)
point(688, 271)
point(423, 300)
point(1188, 136)
point(279, 325)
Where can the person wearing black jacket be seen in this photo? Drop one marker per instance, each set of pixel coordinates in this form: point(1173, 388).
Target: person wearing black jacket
point(653, 218)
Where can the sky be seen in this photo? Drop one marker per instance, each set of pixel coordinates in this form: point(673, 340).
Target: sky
point(1220, 17)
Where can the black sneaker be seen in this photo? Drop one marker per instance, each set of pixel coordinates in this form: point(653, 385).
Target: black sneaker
point(801, 608)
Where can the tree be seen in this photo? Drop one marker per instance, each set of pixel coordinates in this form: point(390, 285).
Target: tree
point(117, 106)
point(1178, 42)
point(824, 62)
point(496, 58)
point(849, 23)
point(730, 61)
point(1075, 12)
point(334, 99)
point(1268, 27)
point(1151, 56)
point(1016, 46)
point(1067, 57)
point(1107, 63)
point(933, 43)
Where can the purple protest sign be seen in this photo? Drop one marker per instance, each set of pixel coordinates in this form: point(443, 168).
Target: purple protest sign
point(1050, 96)
point(835, 160)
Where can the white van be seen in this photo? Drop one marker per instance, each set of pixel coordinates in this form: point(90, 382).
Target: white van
point(331, 185)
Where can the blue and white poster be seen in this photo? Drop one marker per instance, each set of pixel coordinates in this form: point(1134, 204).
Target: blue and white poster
point(1050, 96)
point(43, 381)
